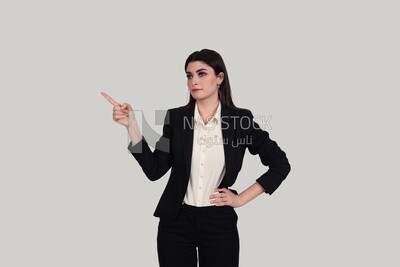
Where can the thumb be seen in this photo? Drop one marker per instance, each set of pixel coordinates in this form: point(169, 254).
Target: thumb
point(129, 107)
point(126, 107)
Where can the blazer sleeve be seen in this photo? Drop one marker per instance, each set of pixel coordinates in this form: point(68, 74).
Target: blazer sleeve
point(155, 163)
point(270, 154)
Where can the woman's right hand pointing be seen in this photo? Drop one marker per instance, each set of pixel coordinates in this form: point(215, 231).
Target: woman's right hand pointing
point(122, 113)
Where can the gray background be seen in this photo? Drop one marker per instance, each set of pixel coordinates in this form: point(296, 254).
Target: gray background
point(326, 71)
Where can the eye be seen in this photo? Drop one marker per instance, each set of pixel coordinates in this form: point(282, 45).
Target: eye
point(201, 74)
point(189, 76)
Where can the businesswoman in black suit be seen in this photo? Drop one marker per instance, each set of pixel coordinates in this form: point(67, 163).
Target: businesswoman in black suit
point(204, 143)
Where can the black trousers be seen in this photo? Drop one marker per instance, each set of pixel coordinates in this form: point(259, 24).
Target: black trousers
point(207, 235)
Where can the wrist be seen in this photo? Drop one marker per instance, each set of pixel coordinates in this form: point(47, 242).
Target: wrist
point(242, 200)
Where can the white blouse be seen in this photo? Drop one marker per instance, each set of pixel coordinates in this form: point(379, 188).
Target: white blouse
point(208, 159)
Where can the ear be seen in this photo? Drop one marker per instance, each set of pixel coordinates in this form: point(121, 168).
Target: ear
point(220, 77)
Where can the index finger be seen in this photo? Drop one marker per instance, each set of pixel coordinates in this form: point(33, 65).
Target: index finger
point(109, 98)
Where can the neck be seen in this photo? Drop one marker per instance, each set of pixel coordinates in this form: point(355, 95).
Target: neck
point(207, 107)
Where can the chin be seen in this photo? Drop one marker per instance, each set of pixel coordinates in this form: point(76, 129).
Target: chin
point(196, 97)
point(202, 97)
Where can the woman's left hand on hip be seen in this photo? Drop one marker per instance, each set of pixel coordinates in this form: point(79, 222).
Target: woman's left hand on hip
point(225, 197)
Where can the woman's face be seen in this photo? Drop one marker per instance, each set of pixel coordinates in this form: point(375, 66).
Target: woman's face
point(202, 81)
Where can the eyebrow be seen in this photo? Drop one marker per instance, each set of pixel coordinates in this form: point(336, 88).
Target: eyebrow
point(198, 70)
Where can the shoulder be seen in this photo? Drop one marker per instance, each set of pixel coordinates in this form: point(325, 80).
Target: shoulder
point(174, 110)
point(241, 112)
point(176, 113)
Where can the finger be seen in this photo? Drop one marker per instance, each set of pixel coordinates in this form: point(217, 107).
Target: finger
point(221, 196)
point(119, 112)
point(220, 203)
point(216, 202)
point(126, 107)
point(109, 98)
point(220, 190)
point(129, 107)
point(116, 109)
point(214, 195)
point(117, 117)
point(216, 191)
point(219, 199)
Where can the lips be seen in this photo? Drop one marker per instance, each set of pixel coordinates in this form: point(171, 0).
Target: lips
point(195, 90)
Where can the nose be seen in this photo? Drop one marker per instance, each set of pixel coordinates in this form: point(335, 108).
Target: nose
point(194, 81)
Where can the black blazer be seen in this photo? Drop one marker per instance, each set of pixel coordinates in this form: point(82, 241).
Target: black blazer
point(174, 149)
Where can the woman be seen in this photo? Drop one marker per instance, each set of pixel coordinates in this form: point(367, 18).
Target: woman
point(204, 143)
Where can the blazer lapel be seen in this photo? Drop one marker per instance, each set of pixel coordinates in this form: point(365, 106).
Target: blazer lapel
point(187, 136)
point(228, 135)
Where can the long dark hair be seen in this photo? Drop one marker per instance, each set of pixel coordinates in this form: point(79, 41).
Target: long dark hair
point(215, 61)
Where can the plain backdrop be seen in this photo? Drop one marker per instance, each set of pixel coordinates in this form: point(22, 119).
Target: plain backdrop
point(327, 72)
